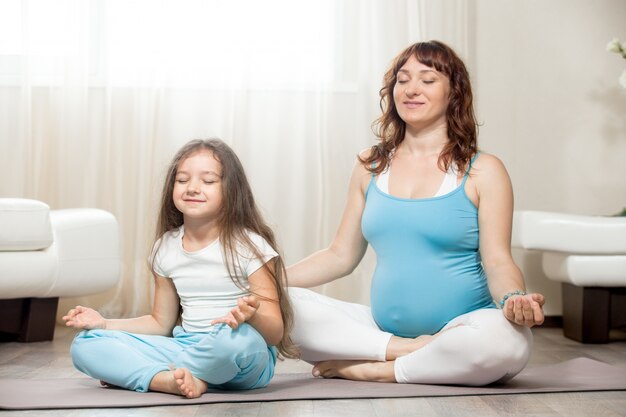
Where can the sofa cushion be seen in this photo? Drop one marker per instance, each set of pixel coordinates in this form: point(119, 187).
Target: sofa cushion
point(569, 233)
point(586, 271)
point(24, 225)
point(27, 274)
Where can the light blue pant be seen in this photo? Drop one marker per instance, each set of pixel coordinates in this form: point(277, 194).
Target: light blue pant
point(223, 358)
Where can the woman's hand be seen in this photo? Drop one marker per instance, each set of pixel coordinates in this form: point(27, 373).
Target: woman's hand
point(84, 318)
point(246, 308)
point(525, 310)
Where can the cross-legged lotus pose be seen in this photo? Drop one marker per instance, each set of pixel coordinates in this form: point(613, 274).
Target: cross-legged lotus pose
point(448, 303)
point(215, 259)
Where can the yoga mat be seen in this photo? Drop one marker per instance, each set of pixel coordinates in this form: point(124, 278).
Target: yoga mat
point(581, 374)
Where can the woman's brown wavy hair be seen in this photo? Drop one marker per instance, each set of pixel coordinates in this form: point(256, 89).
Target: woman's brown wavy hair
point(462, 128)
point(239, 214)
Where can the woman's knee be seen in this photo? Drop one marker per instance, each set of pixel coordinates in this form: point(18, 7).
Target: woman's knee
point(490, 344)
point(297, 294)
point(501, 347)
point(513, 342)
point(516, 349)
point(476, 349)
point(306, 308)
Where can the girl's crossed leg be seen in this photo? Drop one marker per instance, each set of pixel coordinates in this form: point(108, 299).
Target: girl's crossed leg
point(185, 364)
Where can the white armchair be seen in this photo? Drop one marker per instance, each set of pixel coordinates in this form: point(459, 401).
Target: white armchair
point(47, 254)
point(587, 254)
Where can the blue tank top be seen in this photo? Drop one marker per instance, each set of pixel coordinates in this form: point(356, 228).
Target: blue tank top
point(428, 268)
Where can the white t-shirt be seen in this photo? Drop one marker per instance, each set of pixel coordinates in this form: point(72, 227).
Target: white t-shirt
point(201, 279)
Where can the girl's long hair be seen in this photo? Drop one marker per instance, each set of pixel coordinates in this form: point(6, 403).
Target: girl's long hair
point(239, 215)
point(462, 128)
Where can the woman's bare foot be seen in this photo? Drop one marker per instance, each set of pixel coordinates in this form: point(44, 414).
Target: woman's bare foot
point(179, 381)
point(356, 370)
point(400, 346)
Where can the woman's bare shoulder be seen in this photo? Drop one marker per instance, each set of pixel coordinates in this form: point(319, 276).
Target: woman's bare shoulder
point(488, 172)
point(366, 152)
point(488, 164)
point(360, 173)
point(363, 155)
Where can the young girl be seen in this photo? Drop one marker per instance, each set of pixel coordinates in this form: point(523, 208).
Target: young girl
point(216, 260)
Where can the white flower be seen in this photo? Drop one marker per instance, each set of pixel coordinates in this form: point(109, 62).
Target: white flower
point(614, 46)
point(618, 48)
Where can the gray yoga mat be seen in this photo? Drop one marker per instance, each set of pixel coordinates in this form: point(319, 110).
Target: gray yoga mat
point(581, 374)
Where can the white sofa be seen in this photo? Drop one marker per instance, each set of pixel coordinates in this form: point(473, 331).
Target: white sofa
point(48, 254)
point(587, 254)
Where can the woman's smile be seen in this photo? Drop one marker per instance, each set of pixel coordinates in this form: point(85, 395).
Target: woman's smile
point(413, 104)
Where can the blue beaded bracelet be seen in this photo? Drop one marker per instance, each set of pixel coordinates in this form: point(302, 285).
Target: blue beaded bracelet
point(509, 295)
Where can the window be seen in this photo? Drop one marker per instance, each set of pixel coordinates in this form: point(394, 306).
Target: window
point(199, 43)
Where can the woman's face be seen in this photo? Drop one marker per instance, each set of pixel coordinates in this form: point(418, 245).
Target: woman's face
point(421, 94)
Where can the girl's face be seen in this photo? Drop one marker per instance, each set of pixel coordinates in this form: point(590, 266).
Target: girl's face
point(421, 94)
point(198, 186)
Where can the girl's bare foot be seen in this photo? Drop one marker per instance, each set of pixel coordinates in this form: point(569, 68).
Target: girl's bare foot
point(356, 370)
point(189, 385)
point(179, 381)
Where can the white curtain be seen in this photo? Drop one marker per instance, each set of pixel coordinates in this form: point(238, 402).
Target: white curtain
point(96, 96)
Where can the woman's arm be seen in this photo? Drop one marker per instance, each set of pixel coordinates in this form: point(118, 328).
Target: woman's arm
point(347, 248)
point(495, 217)
point(160, 322)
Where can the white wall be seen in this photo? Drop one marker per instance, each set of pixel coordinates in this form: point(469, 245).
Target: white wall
point(552, 109)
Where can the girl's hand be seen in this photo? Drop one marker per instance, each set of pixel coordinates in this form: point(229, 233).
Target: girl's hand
point(525, 310)
point(246, 308)
point(84, 318)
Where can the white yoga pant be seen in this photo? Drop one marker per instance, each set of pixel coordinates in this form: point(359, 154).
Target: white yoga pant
point(477, 348)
